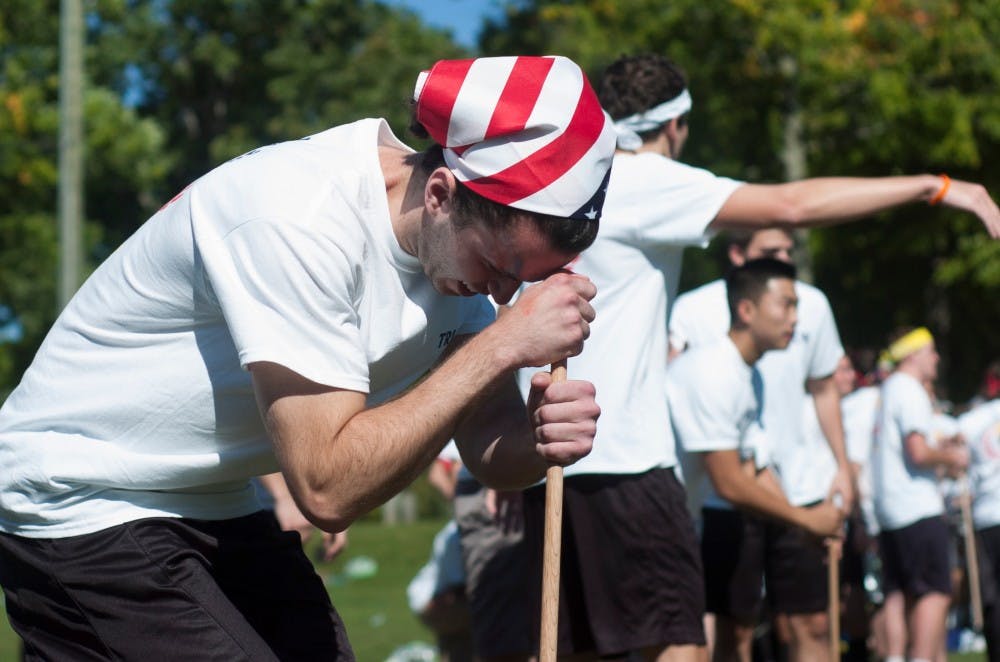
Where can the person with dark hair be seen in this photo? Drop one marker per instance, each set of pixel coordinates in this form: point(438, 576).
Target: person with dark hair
point(801, 393)
point(655, 207)
point(914, 538)
point(715, 396)
point(315, 307)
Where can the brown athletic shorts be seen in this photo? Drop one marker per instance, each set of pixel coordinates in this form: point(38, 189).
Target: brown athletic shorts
point(916, 559)
point(795, 570)
point(631, 571)
point(732, 552)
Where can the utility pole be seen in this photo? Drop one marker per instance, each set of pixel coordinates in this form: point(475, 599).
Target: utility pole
point(793, 157)
point(70, 204)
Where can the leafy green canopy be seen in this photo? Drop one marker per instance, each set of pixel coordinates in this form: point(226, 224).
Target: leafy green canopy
point(882, 86)
point(175, 87)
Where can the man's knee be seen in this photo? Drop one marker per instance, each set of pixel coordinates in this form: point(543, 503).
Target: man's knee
point(809, 626)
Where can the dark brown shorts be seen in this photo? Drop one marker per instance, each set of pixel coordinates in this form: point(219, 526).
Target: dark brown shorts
point(631, 573)
point(915, 558)
point(732, 552)
point(171, 589)
point(795, 570)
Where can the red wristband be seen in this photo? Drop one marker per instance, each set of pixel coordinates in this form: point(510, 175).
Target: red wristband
point(945, 185)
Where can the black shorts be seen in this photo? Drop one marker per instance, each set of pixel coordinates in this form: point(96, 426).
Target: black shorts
point(170, 589)
point(916, 558)
point(988, 555)
point(795, 573)
point(631, 572)
point(852, 561)
point(732, 553)
point(496, 567)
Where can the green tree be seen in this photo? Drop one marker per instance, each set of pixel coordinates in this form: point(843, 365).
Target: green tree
point(123, 159)
point(882, 87)
point(174, 87)
point(224, 77)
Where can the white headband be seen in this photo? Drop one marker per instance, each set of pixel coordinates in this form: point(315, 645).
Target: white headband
point(629, 128)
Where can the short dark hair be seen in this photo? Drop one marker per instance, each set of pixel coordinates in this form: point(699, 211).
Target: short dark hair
point(742, 238)
point(635, 83)
point(749, 281)
point(567, 235)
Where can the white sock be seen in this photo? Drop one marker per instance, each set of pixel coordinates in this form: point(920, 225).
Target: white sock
point(895, 658)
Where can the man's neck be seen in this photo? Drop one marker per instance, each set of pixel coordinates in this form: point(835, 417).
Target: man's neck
point(907, 368)
point(404, 196)
point(745, 345)
point(660, 145)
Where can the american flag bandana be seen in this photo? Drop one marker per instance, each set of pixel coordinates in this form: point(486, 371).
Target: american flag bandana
point(527, 132)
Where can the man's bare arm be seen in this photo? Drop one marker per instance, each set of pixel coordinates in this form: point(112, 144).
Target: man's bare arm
point(340, 459)
point(827, 401)
point(734, 485)
point(832, 200)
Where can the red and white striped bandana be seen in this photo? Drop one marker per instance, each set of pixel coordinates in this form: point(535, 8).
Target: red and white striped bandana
point(527, 132)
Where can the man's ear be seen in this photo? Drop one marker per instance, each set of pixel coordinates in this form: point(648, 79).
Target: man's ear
point(439, 191)
point(736, 255)
point(745, 309)
point(671, 130)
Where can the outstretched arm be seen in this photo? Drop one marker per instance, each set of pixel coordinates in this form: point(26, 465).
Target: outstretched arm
point(832, 200)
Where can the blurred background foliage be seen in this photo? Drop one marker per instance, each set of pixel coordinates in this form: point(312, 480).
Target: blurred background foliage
point(781, 88)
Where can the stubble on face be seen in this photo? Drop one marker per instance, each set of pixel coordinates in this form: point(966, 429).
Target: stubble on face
point(470, 258)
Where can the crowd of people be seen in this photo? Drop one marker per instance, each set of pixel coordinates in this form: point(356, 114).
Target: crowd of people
point(742, 500)
point(317, 312)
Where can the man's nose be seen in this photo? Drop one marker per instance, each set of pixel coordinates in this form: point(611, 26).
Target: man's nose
point(503, 289)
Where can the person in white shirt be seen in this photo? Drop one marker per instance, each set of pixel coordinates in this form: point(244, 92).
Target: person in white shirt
point(980, 427)
point(714, 393)
point(284, 312)
point(810, 472)
point(913, 542)
point(656, 206)
point(858, 407)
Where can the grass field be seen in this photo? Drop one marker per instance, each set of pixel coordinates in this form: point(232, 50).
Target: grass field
point(374, 608)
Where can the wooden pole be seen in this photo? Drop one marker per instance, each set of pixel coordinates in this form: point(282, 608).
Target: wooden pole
point(971, 559)
point(833, 584)
point(833, 588)
point(548, 641)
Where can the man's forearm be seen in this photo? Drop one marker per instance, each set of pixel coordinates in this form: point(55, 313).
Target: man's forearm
point(821, 201)
point(376, 452)
point(743, 491)
point(828, 412)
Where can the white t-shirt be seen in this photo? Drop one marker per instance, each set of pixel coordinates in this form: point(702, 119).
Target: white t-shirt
point(714, 405)
point(815, 446)
point(859, 410)
point(981, 429)
point(943, 427)
point(904, 493)
point(138, 403)
point(654, 208)
point(702, 316)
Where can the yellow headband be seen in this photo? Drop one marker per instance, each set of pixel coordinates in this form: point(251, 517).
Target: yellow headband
point(908, 344)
